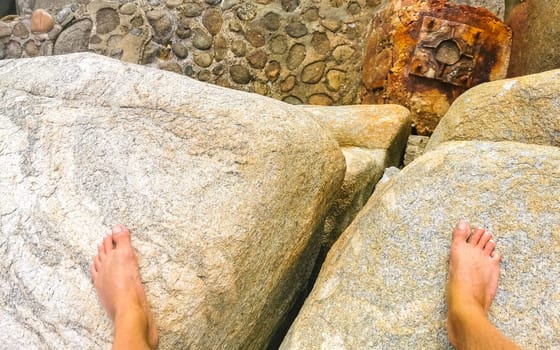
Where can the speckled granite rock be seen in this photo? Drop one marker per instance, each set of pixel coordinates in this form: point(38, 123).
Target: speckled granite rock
point(364, 167)
point(524, 109)
point(222, 190)
point(383, 283)
point(369, 126)
point(372, 138)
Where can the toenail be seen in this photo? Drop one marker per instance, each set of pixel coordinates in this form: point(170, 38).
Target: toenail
point(117, 229)
point(462, 225)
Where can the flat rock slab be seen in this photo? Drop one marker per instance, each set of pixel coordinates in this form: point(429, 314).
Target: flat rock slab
point(524, 109)
point(383, 283)
point(223, 191)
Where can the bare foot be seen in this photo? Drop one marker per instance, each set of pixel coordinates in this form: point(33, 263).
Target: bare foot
point(117, 280)
point(474, 268)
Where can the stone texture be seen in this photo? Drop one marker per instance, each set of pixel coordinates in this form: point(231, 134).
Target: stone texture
point(203, 176)
point(41, 21)
point(415, 147)
point(524, 109)
point(293, 33)
point(372, 138)
point(384, 280)
point(240, 74)
point(5, 29)
point(368, 126)
point(74, 38)
point(536, 31)
point(412, 57)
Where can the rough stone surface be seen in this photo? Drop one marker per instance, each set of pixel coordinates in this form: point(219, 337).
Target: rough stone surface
point(524, 109)
point(369, 126)
point(74, 38)
point(412, 57)
point(536, 29)
point(372, 138)
point(292, 35)
point(41, 21)
point(415, 147)
point(384, 280)
point(203, 176)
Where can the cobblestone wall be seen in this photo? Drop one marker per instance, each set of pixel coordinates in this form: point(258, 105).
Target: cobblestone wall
point(307, 51)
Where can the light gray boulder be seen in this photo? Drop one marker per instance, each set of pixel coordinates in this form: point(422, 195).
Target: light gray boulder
point(224, 192)
point(372, 138)
point(524, 109)
point(383, 283)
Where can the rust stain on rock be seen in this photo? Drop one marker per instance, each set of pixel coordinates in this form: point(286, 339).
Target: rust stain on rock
point(424, 54)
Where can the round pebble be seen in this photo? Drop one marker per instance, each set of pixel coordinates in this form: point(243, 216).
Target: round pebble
point(171, 67)
point(342, 53)
point(180, 49)
point(41, 21)
point(296, 30)
point(296, 56)
point(331, 24)
point(213, 2)
point(313, 72)
point(272, 70)
point(5, 29)
point(203, 59)
point(65, 16)
point(293, 100)
point(288, 83)
point(162, 24)
point(204, 75)
point(247, 11)
point(188, 71)
point(201, 39)
point(212, 20)
point(278, 44)
point(335, 79)
point(255, 37)
point(190, 9)
point(220, 48)
point(290, 5)
point(2, 51)
point(320, 43)
point(257, 59)
point(312, 14)
point(154, 2)
point(173, 3)
point(271, 21)
point(20, 30)
point(218, 69)
point(128, 9)
point(240, 74)
point(107, 20)
point(13, 50)
point(239, 48)
point(320, 100)
point(354, 8)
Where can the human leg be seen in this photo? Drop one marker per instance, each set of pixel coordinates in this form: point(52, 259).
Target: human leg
point(474, 269)
point(116, 277)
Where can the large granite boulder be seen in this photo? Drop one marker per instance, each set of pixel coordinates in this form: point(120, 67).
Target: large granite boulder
point(224, 193)
point(536, 30)
point(524, 109)
point(383, 283)
point(372, 138)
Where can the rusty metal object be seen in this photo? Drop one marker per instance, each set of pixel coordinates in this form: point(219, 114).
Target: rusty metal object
point(424, 54)
point(446, 51)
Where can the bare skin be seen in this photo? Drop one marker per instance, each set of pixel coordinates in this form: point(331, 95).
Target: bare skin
point(117, 280)
point(474, 268)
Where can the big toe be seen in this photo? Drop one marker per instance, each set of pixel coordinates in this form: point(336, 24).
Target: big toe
point(461, 231)
point(121, 235)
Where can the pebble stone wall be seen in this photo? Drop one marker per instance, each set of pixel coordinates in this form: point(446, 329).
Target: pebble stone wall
point(307, 51)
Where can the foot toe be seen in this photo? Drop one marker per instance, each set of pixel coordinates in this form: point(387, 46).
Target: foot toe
point(461, 231)
point(489, 247)
point(107, 244)
point(477, 234)
point(484, 239)
point(121, 235)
